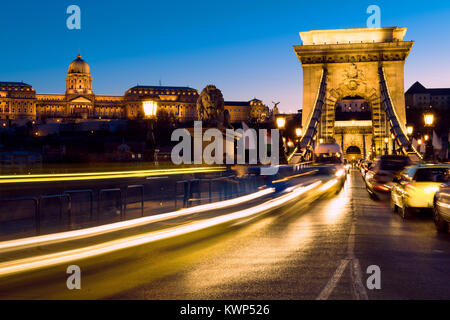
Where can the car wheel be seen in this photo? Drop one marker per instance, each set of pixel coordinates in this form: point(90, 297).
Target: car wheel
point(406, 212)
point(394, 207)
point(441, 224)
point(371, 194)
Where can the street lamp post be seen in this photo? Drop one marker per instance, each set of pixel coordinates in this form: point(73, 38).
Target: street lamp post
point(281, 124)
point(409, 132)
point(386, 140)
point(298, 134)
point(393, 144)
point(150, 109)
point(428, 118)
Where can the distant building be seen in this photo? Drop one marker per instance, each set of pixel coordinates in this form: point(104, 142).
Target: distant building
point(247, 110)
point(419, 96)
point(353, 105)
point(19, 102)
point(420, 99)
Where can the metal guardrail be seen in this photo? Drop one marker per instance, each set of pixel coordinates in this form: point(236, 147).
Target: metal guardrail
point(37, 214)
point(60, 198)
point(189, 192)
point(99, 201)
point(125, 202)
point(91, 202)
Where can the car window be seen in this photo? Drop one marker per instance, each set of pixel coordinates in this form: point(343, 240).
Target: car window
point(433, 175)
point(408, 173)
point(393, 164)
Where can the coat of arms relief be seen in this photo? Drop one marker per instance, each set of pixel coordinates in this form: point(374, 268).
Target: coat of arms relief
point(352, 83)
point(354, 78)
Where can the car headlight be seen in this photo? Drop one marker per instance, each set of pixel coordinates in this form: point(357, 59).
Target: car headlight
point(431, 189)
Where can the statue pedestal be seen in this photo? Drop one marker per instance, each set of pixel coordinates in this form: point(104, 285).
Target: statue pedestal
point(227, 142)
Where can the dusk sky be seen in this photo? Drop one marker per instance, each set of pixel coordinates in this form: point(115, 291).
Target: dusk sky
point(243, 47)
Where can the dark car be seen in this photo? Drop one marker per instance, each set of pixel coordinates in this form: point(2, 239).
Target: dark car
point(441, 208)
point(365, 167)
point(381, 173)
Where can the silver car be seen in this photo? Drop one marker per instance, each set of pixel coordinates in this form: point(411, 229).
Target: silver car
point(441, 209)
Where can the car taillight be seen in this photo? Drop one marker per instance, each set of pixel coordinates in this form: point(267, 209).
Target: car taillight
point(382, 187)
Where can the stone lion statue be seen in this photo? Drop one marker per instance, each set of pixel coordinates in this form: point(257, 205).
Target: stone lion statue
point(210, 107)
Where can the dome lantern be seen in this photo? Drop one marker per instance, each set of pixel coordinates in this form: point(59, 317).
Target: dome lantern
point(79, 66)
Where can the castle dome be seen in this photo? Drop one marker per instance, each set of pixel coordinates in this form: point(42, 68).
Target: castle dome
point(79, 66)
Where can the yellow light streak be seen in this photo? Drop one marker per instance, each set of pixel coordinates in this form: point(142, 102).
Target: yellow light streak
point(327, 186)
point(295, 176)
point(27, 264)
point(103, 175)
point(139, 222)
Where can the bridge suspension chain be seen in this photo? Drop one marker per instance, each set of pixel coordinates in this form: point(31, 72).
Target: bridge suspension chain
point(314, 119)
point(392, 117)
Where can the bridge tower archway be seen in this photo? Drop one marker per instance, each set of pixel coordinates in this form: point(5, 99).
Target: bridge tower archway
point(365, 63)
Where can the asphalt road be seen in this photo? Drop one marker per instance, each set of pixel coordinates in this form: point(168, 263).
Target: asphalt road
point(317, 251)
point(308, 250)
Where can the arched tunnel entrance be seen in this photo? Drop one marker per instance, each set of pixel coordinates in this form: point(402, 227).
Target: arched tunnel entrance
point(353, 153)
point(353, 127)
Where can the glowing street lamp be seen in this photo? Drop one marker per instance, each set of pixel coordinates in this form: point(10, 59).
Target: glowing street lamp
point(150, 108)
point(281, 123)
point(298, 132)
point(428, 119)
point(409, 130)
point(386, 141)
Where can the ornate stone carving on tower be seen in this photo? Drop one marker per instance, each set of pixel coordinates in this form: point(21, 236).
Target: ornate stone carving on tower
point(353, 78)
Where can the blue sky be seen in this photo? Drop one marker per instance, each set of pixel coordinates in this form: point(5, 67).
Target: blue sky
point(243, 47)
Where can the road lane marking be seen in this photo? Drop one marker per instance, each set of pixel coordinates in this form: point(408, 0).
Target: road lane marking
point(325, 293)
point(358, 289)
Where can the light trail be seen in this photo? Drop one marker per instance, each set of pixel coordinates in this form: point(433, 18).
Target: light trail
point(103, 175)
point(113, 227)
point(330, 184)
point(48, 260)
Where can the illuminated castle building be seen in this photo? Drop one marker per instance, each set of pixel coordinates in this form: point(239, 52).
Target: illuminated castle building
point(19, 102)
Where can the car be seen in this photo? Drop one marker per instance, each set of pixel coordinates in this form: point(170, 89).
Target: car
point(441, 208)
point(416, 187)
point(364, 167)
point(381, 173)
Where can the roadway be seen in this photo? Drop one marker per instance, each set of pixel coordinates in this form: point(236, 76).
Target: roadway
point(300, 256)
point(307, 250)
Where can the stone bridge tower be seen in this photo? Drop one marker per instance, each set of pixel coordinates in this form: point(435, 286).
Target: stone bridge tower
point(357, 62)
